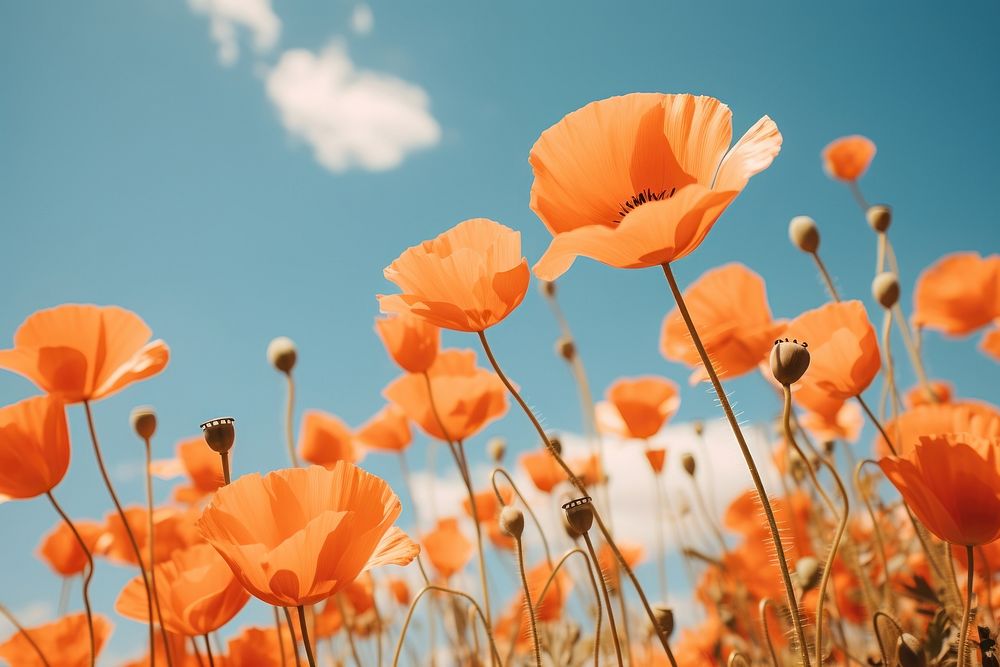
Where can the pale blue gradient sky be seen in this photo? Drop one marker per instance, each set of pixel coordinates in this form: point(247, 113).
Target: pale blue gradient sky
point(136, 170)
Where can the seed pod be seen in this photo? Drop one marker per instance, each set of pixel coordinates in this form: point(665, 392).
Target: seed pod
point(804, 233)
point(688, 463)
point(566, 348)
point(664, 616)
point(579, 514)
point(220, 434)
point(879, 217)
point(282, 354)
point(143, 420)
point(885, 289)
point(808, 570)
point(789, 361)
point(497, 448)
point(512, 521)
point(547, 288)
point(910, 653)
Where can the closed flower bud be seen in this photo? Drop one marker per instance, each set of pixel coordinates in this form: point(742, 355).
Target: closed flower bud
point(220, 434)
point(579, 514)
point(143, 420)
point(664, 616)
point(566, 348)
point(547, 288)
point(910, 653)
point(804, 233)
point(512, 522)
point(496, 448)
point(282, 354)
point(688, 463)
point(789, 361)
point(808, 570)
point(885, 289)
point(879, 217)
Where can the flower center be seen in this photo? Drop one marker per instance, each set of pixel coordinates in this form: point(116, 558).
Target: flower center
point(637, 200)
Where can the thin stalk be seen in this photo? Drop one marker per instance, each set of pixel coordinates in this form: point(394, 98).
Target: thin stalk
point(964, 635)
point(828, 566)
point(988, 571)
point(858, 197)
point(661, 542)
point(291, 633)
point(442, 589)
point(86, 577)
point(527, 601)
point(754, 474)
point(767, 635)
point(700, 501)
point(227, 475)
point(827, 280)
point(208, 651)
point(914, 353)
point(404, 470)
point(879, 540)
point(790, 439)
point(583, 490)
point(64, 591)
point(531, 512)
point(379, 627)
point(880, 253)
point(152, 548)
point(128, 532)
point(607, 598)
point(20, 628)
point(289, 421)
point(593, 584)
point(347, 629)
point(305, 636)
point(890, 370)
point(196, 652)
point(281, 639)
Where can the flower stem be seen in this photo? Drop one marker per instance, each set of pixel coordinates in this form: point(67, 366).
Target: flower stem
point(20, 628)
point(227, 475)
point(442, 589)
point(208, 651)
point(86, 577)
point(281, 641)
point(305, 636)
point(289, 421)
point(152, 547)
point(967, 612)
point(754, 474)
point(527, 602)
point(827, 280)
point(607, 598)
point(291, 632)
point(828, 567)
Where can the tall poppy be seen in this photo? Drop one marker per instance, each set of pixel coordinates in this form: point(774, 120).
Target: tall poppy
point(199, 463)
point(638, 180)
point(174, 528)
point(951, 482)
point(411, 341)
point(919, 395)
point(979, 419)
point(447, 548)
point(198, 593)
point(847, 158)
point(325, 439)
point(84, 352)
point(65, 642)
point(387, 431)
point(843, 349)
point(299, 535)
point(639, 407)
point(34, 446)
point(466, 397)
point(61, 551)
point(958, 294)
point(729, 307)
point(828, 418)
point(467, 279)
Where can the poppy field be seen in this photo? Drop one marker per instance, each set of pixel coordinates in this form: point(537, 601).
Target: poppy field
point(839, 551)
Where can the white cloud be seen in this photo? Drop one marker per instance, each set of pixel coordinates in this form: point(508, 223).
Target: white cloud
point(349, 116)
point(227, 16)
point(362, 20)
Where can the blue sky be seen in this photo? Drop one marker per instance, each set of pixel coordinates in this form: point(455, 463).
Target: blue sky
point(144, 165)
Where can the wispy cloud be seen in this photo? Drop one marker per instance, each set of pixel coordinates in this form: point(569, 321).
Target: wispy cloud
point(227, 17)
point(350, 117)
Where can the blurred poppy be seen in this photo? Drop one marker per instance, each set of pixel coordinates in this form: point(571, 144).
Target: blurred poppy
point(843, 349)
point(639, 407)
point(942, 393)
point(196, 461)
point(400, 590)
point(467, 279)
point(990, 344)
point(61, 551)
point(387, 431)
point(550, 607)
point(951, 482)
point(411, 341)
point(793, 513)
point(467, 398)
point(175, 529)
point(325, 439)
point(701, 645)
point(829, 419)
point(180, 655)
point(84, 352)
point(546, 473)
point(638, 180)
point(847, 158)
point(299, 535)
point(198, 593)
point(980, 419)
point(260, 647)
point(958, 294)
point(608, 562)
point(64, 643)
point(729, 307)
point(657, 457)
point(447, 548)
point(487, 505)
point(34, 446)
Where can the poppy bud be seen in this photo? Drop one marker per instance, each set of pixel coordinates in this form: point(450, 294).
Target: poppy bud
point(909, 651)
point(496, 447)
point(547, 288)
point(664, 616)
point(789, 361)
point(579, 514)
point(512, 522)
point(220, 434)
point(699, 427)
point(688, 463)
point(879, 217)
point(808, 570)
point(566, 348)
point(804, 233)
point(143, 420)
point(885, 289)
point(282, 354)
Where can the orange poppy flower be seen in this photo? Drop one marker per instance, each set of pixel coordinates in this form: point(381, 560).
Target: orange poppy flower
point(952, 483)
point(84, 353)
point(387, 431)
point(979, 419)
point(299, 535)
point(990, 344)
point(34, 447)
point(467, 279)
point(325, 439)
point(546, 474)
point(400, 590)
point(657, 458)
point(843, 349)
point(65, 642)
point(828, 418)
point(639, 180)
point(943, 392)
point(550, 607)
point(447, 548)
point(487, 505)
point(175, 529)
point(643, 405)
point(411, 341)
point(729, 305)
point(743, 516)
point(610, 569)
point(198, 593)
point(701, 646)
point(180, 654)
point(958, 294)
point(260, 647)
point(60, 550)
point(467, 397)
point(196, 461)
point(847, 158)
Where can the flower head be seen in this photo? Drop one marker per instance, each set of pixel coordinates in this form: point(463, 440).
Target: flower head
point(65, 642)
point(196, 461)
point(61, 551)
point(325, 439)
point(387, 431)
point(958, 294)
point(34, 446)
point(410, 340)
point(847, 158)
point(639, 407)
point(447, 548)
